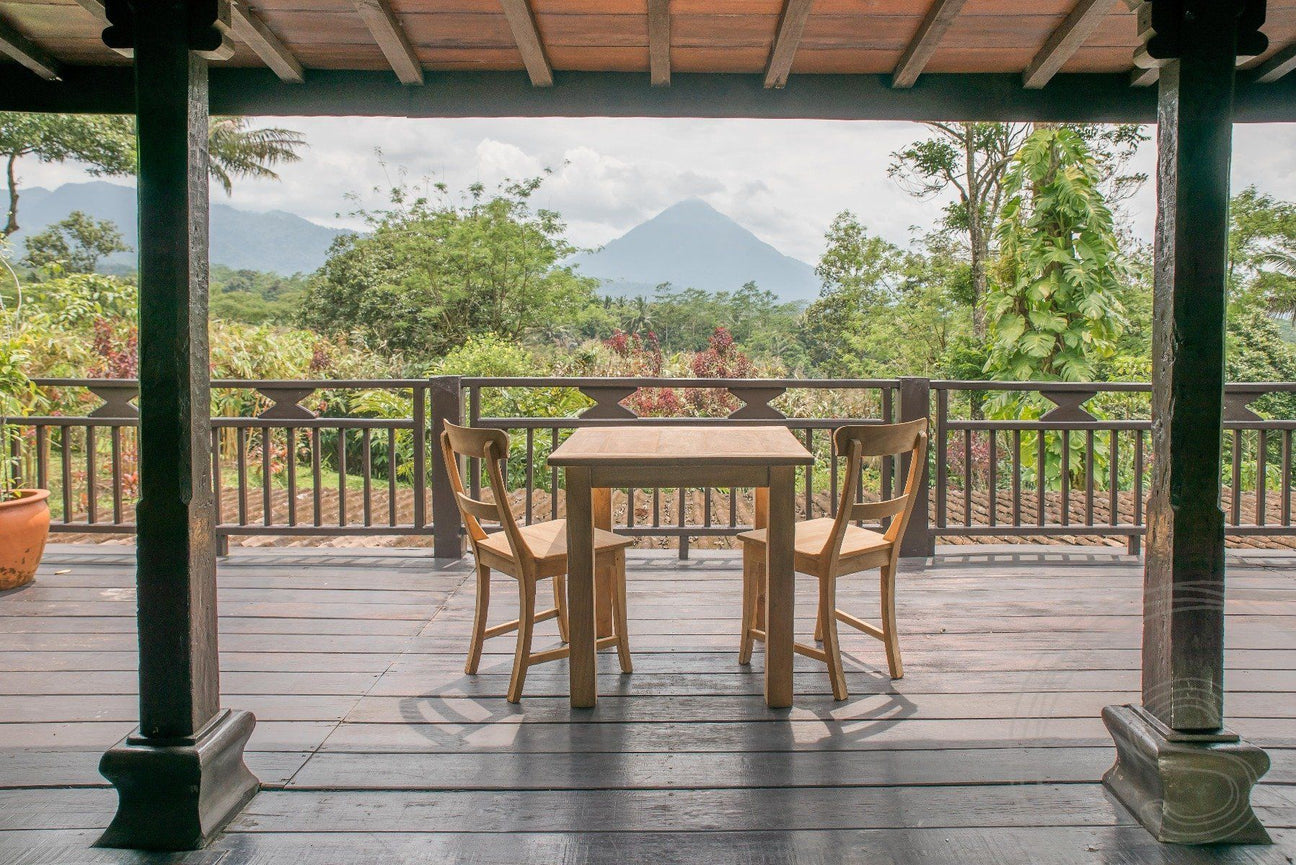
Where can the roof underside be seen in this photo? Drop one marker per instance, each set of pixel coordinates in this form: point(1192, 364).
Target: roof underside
point(1035, 42)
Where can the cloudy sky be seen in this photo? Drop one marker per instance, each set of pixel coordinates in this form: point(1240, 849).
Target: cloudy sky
point(782, 179)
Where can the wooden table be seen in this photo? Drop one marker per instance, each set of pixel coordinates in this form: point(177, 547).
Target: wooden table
point(673, 456)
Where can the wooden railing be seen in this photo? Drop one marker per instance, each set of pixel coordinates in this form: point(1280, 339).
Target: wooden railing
point(1008, 459)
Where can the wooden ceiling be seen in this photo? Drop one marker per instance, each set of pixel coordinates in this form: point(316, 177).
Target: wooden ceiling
point(779, 39)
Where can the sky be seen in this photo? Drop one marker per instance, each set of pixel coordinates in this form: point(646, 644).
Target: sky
point(782, 179)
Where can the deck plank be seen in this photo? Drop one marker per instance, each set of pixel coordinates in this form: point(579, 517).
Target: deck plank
point(371, 738)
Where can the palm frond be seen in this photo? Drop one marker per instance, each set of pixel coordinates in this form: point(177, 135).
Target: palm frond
point(234, 150)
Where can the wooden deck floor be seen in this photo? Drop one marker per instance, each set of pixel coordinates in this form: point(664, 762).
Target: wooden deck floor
point(374, 747)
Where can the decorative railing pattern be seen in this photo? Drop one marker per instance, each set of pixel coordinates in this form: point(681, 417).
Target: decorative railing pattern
point(1008, 459)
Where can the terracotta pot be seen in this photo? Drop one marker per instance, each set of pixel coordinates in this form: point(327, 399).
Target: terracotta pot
point(24, 525)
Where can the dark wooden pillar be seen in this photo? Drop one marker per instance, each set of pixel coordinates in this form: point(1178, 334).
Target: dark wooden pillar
point(181, 776)
point(1185, 776)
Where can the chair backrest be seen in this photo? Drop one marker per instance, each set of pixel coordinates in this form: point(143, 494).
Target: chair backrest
point(874, 440)
point(491, 446)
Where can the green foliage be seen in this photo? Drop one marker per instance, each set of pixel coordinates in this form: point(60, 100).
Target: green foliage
point(75, 301)
point(235, 150)
point(74, 244)
point(1056, 305)
point(254, 297)
point(431, 274)
point(106, 144)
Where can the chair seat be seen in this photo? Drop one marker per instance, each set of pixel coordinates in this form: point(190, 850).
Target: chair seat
point(813, 535)
point(548, 541)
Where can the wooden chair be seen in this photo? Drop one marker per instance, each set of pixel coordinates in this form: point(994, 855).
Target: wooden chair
point(832, 548)
point(526, 553)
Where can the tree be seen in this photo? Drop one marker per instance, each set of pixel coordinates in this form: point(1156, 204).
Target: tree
point(1262, 252)
point(430, 274)
point(234, 150)
point(76, 243)
point(1056, 303)
point(971, 158)
point(106, 144)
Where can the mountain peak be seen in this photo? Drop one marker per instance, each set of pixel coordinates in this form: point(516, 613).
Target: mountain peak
point(692, 245)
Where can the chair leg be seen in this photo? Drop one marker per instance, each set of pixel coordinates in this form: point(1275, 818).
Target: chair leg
point(832, 649)
point(526, 624)
point(753, 573)
point(891, 635)
point(619, 619)
point(560, 603)
point(819, 631)
point(479, 620)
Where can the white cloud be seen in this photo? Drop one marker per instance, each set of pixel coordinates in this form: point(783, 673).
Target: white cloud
point(783, 179)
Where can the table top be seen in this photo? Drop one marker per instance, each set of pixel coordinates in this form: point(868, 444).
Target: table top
point(681, 446)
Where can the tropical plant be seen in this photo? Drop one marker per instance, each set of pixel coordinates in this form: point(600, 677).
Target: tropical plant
point(1056, 303)
point(234, 149)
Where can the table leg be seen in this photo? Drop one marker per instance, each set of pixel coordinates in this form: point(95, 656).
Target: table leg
point(580, 587)
point(760, 520)
point(604, 571)
point(780, 587)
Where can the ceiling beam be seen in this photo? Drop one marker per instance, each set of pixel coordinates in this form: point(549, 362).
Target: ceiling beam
point(1278, 65)
point(940, 15)
point(659, 42)
point(390, 36)
point(791, 23)
point(95, 8)
point(527, 36)
point(247, 27)
point(256, 91)
point(28, 53)
point(1065, 41)
point(1144, 77)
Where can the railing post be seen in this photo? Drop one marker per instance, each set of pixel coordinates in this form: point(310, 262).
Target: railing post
point(447, 540)
point(915, 403)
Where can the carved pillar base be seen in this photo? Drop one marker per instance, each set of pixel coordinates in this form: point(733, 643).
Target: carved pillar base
point(1185, 788)
point(177, 794)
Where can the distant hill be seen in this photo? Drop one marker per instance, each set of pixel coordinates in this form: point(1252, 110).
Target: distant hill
point(693, 245)
point(276, 241)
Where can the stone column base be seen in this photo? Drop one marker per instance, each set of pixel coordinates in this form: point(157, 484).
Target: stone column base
point(177, 794)
point(1185, 788)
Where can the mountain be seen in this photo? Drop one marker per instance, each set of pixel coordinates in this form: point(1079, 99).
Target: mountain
point(693, 245)
point(276, 241)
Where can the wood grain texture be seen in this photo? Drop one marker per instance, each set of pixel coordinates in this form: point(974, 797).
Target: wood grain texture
point(940, 16)
point(1065, 41)
point(249, 29)
point(988, 751)
point(386, 29)
point(659, 42)
point(18, 47)
point(791, 24)
point(681, 447)
point(522, 22)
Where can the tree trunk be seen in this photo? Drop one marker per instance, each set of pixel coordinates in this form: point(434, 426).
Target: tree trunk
point(12, 224)
point(976, 239)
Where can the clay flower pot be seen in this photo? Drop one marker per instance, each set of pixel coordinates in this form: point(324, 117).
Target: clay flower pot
point(24, 525)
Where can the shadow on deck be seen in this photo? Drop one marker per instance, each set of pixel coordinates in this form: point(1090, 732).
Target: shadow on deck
point(375, 747)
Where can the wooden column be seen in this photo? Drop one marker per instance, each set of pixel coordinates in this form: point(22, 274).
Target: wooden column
point(181, 776)
point(1181, 773)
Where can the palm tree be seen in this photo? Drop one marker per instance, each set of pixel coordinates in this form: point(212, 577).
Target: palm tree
point(236, 151)
point(1283, 263)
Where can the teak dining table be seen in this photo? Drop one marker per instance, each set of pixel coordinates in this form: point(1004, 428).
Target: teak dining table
point(643, 456)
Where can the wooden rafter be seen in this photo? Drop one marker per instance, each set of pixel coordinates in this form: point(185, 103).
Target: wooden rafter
point(247, 27)
point(95, 8)
point(791, 23)
point(390, 36)
point(1278, 65)
point(1144, 77)
point(1065, 41)
point(527, 36)
point(26, 52)
point(659, 62)
point(939, 17)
